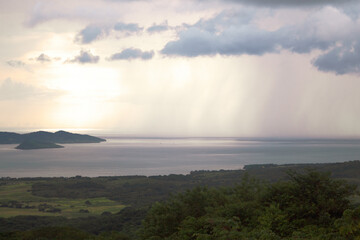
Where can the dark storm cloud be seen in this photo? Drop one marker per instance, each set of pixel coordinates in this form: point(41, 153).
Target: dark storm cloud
point(91, 33)
point(268, 2)
point(158, 28)
point(290, 3)
point(16, 63)
point(84, 57)
point(302, 39)
point(351, 10)
point(132, 53)
point(226, 35)
point(349, 7)
point(340, 60)
point(196, 42)
point(225, 19)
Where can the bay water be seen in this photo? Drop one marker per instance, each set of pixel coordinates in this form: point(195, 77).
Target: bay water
point(162, 156)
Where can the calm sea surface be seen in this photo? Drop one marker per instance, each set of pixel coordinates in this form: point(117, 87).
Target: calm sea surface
point(121, 156)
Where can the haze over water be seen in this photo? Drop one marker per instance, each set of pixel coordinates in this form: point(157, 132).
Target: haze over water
point(162, 156)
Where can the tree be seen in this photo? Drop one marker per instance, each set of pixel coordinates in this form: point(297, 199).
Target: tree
point(349, 224)
point(305, 207)
point(310, 198)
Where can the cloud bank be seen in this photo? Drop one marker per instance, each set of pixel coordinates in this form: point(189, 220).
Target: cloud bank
point(235, 34)
point(243, 37)
point(290, 3)
point(340, 60)
point(229, 33)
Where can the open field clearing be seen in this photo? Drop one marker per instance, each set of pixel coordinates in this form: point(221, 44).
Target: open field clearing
point(16, 199)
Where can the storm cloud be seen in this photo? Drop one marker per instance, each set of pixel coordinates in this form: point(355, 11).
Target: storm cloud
point(84, 57)
point(340, 60)
point(236, 33)
point(286, 3)
point(225, 35)
point(301, 79)
point(196, 42)
point(132, 53)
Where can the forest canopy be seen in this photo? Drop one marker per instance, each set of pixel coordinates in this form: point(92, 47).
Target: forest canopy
point(309, 206)
point(305, 201)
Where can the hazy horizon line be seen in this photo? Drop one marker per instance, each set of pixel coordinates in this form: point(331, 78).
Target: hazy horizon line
point(113, 133)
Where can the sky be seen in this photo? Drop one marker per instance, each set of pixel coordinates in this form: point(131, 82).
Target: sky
point(220, 68)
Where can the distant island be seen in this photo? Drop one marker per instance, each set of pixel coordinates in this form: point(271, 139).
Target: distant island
point(30, 144)
point(43, 139)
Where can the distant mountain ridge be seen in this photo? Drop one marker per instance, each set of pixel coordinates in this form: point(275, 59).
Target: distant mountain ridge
point(47, 137)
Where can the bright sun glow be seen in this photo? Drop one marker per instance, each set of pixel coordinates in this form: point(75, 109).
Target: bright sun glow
point(88, 94)
point(181, 73)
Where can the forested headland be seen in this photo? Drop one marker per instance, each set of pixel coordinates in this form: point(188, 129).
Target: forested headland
point(43, 139)
point(297, 201)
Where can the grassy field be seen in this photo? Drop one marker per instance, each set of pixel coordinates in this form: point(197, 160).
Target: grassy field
point(20, 201)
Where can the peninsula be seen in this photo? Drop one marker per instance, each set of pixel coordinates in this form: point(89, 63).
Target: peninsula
point(43, 139)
